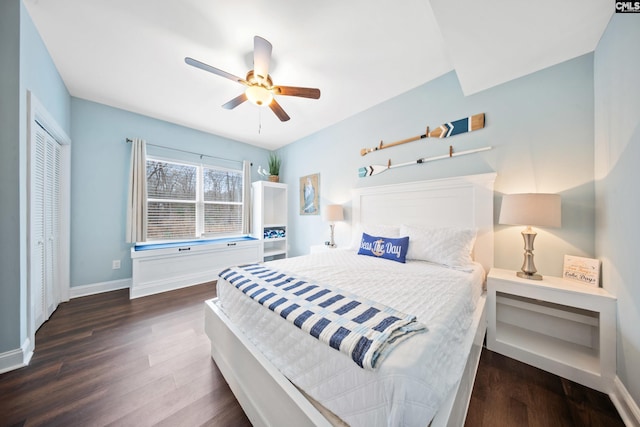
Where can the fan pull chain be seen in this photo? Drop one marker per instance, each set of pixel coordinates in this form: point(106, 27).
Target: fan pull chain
point(259, 120)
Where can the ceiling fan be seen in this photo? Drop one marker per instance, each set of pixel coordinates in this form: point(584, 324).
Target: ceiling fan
point(260, 89)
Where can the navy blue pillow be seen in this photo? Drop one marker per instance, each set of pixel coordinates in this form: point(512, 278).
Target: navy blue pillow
point(394, 249)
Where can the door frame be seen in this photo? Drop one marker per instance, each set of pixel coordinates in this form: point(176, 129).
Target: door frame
point(39, 116)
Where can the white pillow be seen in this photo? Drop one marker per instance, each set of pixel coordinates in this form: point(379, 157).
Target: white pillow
point(448, 246)
point(381, 230)
point(374, 230)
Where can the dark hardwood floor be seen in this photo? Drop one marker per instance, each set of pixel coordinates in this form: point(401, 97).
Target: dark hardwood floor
point(106, 360)
point(510, 393)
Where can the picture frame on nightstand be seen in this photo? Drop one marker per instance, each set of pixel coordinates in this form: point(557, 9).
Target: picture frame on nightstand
point(582, 270)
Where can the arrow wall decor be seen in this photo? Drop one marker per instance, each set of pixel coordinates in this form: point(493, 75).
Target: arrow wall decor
point(445, 130)
point(376, 169)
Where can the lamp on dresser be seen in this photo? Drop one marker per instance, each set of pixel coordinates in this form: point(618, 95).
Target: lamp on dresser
point(333, 213)
point(530, 209)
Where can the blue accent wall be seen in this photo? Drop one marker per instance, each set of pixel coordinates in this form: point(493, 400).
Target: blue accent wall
point(100, 173)
point(617, 154)
point(540, 127)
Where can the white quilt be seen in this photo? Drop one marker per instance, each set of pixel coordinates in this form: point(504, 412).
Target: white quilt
point(411, 383)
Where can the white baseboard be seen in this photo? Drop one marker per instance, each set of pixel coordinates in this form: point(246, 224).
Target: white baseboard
point(17, 358)
point(97, 288)
point(624, 403)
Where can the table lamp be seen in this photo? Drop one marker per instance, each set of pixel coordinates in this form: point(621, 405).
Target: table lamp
point(530, 209)
point(332, 213)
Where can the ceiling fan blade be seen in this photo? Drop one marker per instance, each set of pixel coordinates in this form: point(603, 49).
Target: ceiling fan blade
point(304, 92)
point(214, 70)
point(277, 109)
point(261, 57)
point(235, 102)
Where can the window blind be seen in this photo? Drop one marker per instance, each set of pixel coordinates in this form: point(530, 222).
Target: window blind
point(190, 201)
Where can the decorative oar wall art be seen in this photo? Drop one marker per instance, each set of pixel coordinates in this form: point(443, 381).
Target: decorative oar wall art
point(446, 130)
point(376, 169)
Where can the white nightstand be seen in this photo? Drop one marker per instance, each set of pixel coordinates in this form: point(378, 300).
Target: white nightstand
point(563, 327)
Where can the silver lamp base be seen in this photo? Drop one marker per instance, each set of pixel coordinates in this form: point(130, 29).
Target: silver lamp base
point(528, 267)
point(534, 276)
point(332, 243)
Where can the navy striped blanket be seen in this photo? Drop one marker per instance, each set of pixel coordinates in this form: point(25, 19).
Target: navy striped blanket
point(364, 330)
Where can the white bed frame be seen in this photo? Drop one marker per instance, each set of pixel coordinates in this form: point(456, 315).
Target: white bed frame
point(267, 396)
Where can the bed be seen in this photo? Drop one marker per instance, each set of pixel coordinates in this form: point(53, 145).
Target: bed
point(333, 391)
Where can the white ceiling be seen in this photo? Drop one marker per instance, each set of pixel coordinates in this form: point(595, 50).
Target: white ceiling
point(130, 54)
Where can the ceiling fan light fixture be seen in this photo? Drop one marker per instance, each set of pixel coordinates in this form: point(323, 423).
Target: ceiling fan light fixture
point(259, 88)
point(259, 95)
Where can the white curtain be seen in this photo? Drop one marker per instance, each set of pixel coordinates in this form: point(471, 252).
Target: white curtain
point(246, 209)
point(137, 200)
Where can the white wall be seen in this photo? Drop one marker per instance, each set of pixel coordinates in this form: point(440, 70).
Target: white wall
point(541, 128)
point(617, 157)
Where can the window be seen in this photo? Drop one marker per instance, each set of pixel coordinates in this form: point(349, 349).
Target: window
point(190, 201)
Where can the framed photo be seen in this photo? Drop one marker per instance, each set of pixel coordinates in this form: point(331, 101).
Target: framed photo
point(310, 195)
point(582, 270)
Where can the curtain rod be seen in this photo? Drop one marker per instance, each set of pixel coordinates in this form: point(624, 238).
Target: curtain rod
point(190, 152)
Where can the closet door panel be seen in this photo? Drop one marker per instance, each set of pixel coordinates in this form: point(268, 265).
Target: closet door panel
point(38, 237)
point(51, 214)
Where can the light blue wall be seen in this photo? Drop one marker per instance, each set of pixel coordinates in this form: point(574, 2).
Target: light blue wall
point(99, 178)
point(26, 65)
point(541, 128)
point(617, 153)
point(39, 75)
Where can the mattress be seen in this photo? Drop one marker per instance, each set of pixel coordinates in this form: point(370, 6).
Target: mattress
point(412, 381)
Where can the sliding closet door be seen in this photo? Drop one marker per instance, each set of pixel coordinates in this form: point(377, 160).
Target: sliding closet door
point(45, 225)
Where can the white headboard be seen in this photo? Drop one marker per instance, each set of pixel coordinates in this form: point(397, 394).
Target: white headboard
point(465, 201)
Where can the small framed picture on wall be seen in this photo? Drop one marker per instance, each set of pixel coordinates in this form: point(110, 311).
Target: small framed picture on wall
point(310, 195)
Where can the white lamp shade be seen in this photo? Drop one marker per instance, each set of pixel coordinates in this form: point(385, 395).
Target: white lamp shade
point(538, 209)
point(333, 213)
